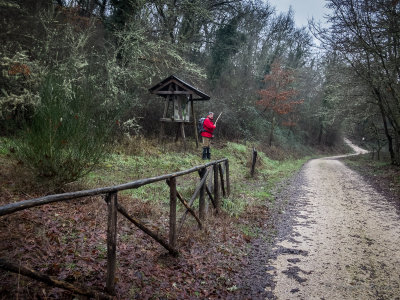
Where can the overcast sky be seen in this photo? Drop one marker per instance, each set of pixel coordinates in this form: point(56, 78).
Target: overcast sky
point(303, 9)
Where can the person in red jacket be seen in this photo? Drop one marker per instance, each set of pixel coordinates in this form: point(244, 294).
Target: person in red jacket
point(207, 135)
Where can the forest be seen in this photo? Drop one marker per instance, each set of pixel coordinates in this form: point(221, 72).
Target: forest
point(272, 82)
point(75, 79)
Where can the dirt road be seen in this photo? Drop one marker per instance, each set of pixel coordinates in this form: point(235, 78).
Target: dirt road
point(338, 239)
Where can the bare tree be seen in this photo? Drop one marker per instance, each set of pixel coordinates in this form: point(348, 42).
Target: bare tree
point(367, 36)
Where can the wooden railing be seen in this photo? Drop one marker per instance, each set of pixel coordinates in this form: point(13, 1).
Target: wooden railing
point(221, 182)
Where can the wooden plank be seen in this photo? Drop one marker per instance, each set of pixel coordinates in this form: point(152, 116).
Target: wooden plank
point(21, 205)
point(171, 82)
point(216, 188)
point(174, 93)
point(165, 120)
point(183, 201)
point(221, 175)
point(196, 134)
point(142, 227)
point(183, 135)
point(166, 106)
point(50, 280)
point(111, 199)
point(172, 213)
point(202, 202)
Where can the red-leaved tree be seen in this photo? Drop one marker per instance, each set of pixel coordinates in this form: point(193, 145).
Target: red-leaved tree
point(279, 95)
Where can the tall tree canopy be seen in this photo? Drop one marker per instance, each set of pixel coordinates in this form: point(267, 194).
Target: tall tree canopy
point(123, 46)
point(366, 36)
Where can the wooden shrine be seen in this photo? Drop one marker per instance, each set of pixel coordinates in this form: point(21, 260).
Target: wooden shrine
point(179, 97)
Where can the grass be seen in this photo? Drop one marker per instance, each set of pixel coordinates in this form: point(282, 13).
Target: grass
point(122, 167)
point(376, 166)
point(4, 148)
point(141, 158)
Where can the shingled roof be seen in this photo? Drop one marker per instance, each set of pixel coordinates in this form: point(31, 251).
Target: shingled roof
point(172, 85)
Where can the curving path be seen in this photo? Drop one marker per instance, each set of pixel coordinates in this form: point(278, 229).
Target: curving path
point(339, 238)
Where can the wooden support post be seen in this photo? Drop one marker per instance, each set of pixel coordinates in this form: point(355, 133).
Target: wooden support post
point(112, 202)
point(210, 182)
point(162, 128)
point(172, 213)
point(221, 176)
point(194, 196)
point(161, 137)
point(216, 188)
point(178, 129)
point(253, 162)
point(183, 135)
point(141, 226)
point(228, 183)
point(196, 134)
point(166, 106)
point(210, 196)
point(183, 201)
point(202, 202)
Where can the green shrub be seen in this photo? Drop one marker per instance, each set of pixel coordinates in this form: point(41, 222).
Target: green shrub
point(67, 135)
point(4, 146)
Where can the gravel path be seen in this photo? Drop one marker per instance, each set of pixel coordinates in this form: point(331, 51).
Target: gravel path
point(337, 239)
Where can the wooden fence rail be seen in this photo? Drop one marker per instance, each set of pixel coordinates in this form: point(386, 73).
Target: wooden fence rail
point(111, 198)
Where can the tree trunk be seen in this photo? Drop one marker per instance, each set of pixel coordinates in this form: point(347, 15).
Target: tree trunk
point(388, 136)
point(320, 133)
point(271, 133)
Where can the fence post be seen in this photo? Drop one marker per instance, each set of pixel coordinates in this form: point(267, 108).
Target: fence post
point(202, 202)
point(216, 188)
point(112, 202)
point(172, 213)
point(221, 175)
point(253, 163)
point(228, 182)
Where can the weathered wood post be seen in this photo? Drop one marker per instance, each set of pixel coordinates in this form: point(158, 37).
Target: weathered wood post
point(216, 188)
point(172, 213)
point(228, 183)
point(196, 134)
point(183, 135)
point(221, 175)
point(202, 201)
point(253, 162)
point(112, 203)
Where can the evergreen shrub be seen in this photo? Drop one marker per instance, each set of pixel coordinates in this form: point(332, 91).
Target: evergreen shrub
point(67, 136)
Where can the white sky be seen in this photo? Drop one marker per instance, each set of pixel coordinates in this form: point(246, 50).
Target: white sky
point(303, 9)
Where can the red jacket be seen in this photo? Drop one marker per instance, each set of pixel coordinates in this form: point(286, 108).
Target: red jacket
point(209, 128)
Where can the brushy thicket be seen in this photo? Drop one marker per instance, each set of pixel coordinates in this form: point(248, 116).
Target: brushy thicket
point(68, 134)
point(75, 92)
